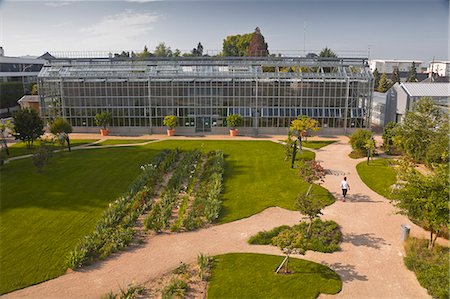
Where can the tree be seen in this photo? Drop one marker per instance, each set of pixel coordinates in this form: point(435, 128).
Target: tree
point(28, 126)
point(170, 121)
point(162, 50)
point(257, 46)
point(236, 45)
point(395, 76)
point(412, 74)
point(421, 127)
point(234, 120)
point(176, 53)
point(301, 125)
point(289, 241)
point(327, 53)
point(289, 143)
point(424, 198)
point(145, 53)
point(103, 119)
point(359, 139)
point(376, 78)
point(388, 134)
point(41, 156)
point(384, 84)
point(123, 54)
point(61, 128)
point(197, 51)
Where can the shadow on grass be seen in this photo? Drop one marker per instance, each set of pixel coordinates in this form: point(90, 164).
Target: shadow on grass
point(367, 240)
point(346, 272)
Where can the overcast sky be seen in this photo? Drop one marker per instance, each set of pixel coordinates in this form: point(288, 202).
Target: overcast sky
point(393, 29)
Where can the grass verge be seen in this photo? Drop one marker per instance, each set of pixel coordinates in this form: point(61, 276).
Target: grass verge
point(121, 141)
point(378, 176)
point(430, 266)
point(21, 149)
point(248, 275)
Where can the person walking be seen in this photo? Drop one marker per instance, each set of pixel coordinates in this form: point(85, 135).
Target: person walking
point(344, 186)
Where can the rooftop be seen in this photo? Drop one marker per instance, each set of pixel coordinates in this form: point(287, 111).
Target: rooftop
point(420, 89)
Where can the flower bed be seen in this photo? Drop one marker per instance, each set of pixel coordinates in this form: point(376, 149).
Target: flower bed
point(115, 229)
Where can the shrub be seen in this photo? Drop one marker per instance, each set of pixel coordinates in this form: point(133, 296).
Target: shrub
point(181, 269)
point(265, 237)
point(204, 265)
point(234, 120)
point(170, 121)
point(431, 266)
point(41, 156)
point(325, 236)
point(103, 119)
point(175, 289)
point(359, 139)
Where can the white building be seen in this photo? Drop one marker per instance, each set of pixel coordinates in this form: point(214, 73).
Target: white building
point(388, 66)
point(441, 68)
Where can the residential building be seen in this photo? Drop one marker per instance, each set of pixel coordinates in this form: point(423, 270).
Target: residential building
point(441, 68)
point(388, 66)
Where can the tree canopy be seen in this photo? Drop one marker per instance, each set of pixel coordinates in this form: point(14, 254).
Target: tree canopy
point(162, 50)
point(423, 133)
point(327, 53)
point(412, 74)
point(28, 126)
point(236, 45)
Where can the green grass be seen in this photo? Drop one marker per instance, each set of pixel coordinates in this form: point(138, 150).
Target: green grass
point(43, 216)
point(430, 266)
point(121, 141)
point(20, 148)
point(316, 144)
point(253, 276)
point(378, 176)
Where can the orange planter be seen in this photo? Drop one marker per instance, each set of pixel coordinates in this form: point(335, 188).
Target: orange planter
point(171, 132)
point(104, 132)
point(233, 132)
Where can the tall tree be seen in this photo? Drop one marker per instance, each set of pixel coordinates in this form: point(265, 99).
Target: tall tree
point(383, 85)
point(376, 79)
point(258, 47)
point(236, 45)
point(395, 76)
point(28, 126)
point(162, 50)
point(424, 197)
point(419, 129)
point(412, 74)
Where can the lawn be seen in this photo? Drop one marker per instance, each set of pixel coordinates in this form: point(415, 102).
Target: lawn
point(20, 148)
point(378, 176)
point(121, 141)
point(43, 216)
point(248, 275)
point(316, 144)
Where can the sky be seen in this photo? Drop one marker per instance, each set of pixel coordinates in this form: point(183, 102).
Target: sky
point(382, 29)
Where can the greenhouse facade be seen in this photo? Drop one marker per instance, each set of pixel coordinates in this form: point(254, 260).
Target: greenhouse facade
point(268, 92)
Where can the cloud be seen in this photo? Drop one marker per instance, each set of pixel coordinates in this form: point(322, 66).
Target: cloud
point(119, 30)
point(56, 4)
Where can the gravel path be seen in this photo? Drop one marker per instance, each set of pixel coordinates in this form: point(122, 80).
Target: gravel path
point(370, 262)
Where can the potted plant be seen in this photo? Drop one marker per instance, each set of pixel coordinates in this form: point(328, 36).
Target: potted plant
point(233, 121)
point(171, 122)
point(102, 120)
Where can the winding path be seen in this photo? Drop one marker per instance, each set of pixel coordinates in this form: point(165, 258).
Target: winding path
point(370, 262)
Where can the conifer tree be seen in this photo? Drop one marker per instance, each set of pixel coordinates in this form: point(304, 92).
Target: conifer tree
point(412, 74)
point(383, 86)
point(395, 77)
point(376, 78)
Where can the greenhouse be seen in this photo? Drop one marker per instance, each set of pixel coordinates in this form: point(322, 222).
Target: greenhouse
point(268, 92)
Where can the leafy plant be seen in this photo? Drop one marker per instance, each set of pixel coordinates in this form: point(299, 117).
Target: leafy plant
point(170, 121)
point(234, 121)
point(41, 156)
point(28, 126)
point(103, 119)
point(175, 289)
point(61, 128)
point(359, 139)
point(204, 265)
